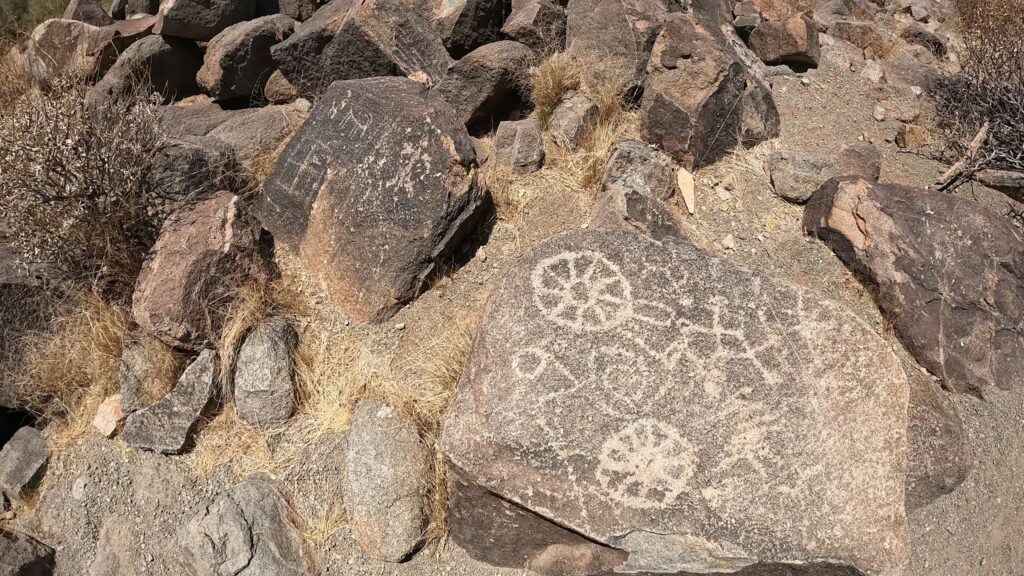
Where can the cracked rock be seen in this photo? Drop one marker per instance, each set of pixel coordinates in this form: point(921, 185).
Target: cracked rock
point(23, 463)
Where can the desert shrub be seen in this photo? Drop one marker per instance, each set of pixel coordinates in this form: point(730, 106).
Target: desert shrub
point(20, 16)
point(73, 179)
point(989, 89)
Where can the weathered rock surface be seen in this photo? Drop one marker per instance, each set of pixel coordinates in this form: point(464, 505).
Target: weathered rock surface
point(88, 11)
point(159, 64)
point(572, 119)
point(347, 40)
point(244, 532)
point(790, 41)
point(912, 137)
point(262, 130)
point(796, 175)
point(201, 19)
point(639, 406)
point(23, 461)
point(117, 551)
point(126, 9)
point(539, 24)
point(386, 489)
point(202, 253)
point(196, 117)
point(519, 145)
point(864, 35)
point(187, 169)
point(139, 370)
point(485, 84)
point(279, 90)
point(168, 425)
point(238, 62)
point(637, 185)
point(74, 49)
point(23, 555)
point(938, 460)
point(264, 375)
point(696, 100)
point(374, 190)
point(465, 25)
point(948, 275)
point(616, 34)
point(300, 10)
point(860, 159)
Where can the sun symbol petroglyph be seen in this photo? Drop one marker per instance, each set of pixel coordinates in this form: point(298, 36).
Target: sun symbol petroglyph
point(582, 291)
point(647, 464)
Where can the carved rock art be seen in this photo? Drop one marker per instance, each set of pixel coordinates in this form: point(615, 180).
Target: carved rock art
point(374, 190)
point(671, 412)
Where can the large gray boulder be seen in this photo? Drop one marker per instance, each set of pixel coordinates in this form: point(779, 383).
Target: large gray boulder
point(168, 425)
point(23, 462)
point(374, 191)
point(73, 49)
point(261, 131)
point(347, 40)
point(201, 19)
point(238, 62)
point(157, 64)
point(264, 375)
point(947, 270)
point(192, 272)
point(635, 406)
point(23, 555)
point(388, 467)
point(486, 83)
point(244, 532)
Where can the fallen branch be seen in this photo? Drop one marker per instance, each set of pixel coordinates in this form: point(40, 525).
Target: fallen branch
point(957, 170)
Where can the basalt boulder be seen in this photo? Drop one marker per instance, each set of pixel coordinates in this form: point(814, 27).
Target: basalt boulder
point(157, 64)
point(375, 191)
point(77, 50)
point(238, 62)
point(636, 406)
point(201, 19)
point(485, 84)
point(948, 273)
point(614, 34)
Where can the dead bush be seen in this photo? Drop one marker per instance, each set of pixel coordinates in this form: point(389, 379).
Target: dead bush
point(73, 179)
point(989, 90)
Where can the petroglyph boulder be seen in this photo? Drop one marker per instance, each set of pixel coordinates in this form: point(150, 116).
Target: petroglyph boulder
point(374, 190)
point(948, 273)
point(643, 407)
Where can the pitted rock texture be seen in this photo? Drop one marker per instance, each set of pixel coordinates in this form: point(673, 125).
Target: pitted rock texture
point(385, 491)
point(265, 375)
point(193, 269)
point(347, 40)
point(244, 532)
point(949, 275)
point(168, 425)
point(374, 190)
point(679, 408)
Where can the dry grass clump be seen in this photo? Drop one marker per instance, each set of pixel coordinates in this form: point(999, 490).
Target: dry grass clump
point(64, 371)
point(74, 187)
point(988, 90)
point(555, 76)
point(164, 366)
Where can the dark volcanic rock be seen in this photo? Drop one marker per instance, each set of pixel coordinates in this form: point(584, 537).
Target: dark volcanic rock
point(260, 132)
point(347, 40)
point(539, 24)
point(193, 270)
point(614, 34)
point(88, 11)
point(864, 35)
point(23, 463)
point(374, 191)
point(279, 90)
point(202, 19)
point(465, 25)
point(519, 145)
point(572, 119)
point(196, 117)
point(949, 274)
point(245, 531)
point(636, 188)
point(635, 406)
point(791, 41)
point(693, 96)
point(159, 64)
point(23, 555)
point(238, 62)
point(168, 425)
point(385, 490)
point(191, 168)
point(70, 48)
point(485, 84)
point(264, 376)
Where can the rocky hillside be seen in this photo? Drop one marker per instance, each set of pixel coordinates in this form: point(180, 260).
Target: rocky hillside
point(480, 288)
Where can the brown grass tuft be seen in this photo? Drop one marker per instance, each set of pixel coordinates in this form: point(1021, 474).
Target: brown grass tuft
point(550, 80)
point(227, 440)
point(64, 371)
